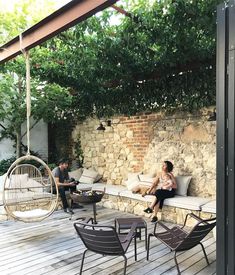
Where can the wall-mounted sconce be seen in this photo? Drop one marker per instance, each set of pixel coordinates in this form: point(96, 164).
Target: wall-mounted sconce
point(107, 123)
point(212, 117)
point(101, 127)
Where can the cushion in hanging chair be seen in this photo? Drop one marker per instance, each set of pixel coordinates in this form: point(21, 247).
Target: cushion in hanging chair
point(2, 179)
point(34, 185)
point(20, 181)
point(36, 213)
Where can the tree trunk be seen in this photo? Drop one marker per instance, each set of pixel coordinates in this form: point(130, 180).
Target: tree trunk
point(18, 143)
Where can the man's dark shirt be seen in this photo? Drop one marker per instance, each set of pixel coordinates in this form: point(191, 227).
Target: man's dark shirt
point(62, 175)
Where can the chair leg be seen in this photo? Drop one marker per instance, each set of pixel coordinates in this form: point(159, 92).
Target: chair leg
point(135, 248)
point(148, 245)
point(203, 249)
point(177, 266)
point(125, 263)
point(83, 257)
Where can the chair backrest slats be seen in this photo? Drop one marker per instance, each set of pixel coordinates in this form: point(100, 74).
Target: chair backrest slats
point(100, 241)
point(196, 235)
point(104, 248)
point(99, 232)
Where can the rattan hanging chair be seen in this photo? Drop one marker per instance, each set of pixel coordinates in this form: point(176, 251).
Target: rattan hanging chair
point(28, 196)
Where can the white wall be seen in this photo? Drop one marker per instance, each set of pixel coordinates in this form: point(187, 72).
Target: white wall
point(6, 149)
point(38, 141)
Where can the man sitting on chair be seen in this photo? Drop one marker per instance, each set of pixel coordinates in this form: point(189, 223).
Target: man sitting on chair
point(64, 183)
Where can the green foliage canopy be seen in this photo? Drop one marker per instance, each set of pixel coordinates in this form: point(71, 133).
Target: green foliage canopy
point(50, 101)
point(161, 57)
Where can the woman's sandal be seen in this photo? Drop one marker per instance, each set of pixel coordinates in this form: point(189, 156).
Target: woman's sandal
point(154, 219)
point(148, 210)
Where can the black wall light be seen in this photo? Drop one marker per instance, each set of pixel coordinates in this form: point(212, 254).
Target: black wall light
point(101, 127)
point(212, 117)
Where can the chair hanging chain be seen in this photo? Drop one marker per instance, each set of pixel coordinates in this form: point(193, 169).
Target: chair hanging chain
point(28, 95)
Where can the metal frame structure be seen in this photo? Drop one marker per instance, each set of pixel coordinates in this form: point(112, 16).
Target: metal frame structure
point(225, 89)
point(62, 19)
point(79, 10)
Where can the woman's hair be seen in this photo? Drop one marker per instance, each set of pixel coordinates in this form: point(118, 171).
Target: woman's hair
point(169, 165)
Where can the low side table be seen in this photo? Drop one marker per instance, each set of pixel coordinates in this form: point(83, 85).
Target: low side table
point(126, 223)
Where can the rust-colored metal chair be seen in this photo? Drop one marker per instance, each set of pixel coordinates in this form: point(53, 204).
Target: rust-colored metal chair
point(104, 240)
point(178, 239)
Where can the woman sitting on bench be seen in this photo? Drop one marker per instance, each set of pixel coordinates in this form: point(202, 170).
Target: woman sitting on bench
point(165, 188)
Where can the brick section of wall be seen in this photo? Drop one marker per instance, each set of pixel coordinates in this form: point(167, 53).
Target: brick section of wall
point(139, 142)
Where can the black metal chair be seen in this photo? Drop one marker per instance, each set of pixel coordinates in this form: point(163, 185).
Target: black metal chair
point(178, 239)
point(104, 240)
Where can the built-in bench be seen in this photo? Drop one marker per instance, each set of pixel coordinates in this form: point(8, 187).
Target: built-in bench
point(175, 209)
point(209, 207)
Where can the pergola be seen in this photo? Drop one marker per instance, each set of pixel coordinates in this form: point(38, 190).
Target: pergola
point(79, 10)
point(69, 15)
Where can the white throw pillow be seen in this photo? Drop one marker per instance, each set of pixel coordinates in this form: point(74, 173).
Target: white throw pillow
point(98, 175)
point(35, 186)
point(182, 185)
point(132, 180)
point(19, 181)
point(146, 180)
point(76, 174)
point(88, 176)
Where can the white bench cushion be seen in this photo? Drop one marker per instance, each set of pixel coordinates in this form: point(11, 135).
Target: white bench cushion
point(109, 188)
point(129, 194)
point(84, 186)
point(114, 190)
point(189, 202)
point(209, 207)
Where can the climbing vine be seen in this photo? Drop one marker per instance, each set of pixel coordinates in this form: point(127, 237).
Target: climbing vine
point(161, 56)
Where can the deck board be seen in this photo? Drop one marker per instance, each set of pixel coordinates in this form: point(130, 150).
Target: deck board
point(51, 247)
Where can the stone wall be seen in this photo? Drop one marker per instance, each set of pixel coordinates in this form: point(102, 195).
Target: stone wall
point(142, 143)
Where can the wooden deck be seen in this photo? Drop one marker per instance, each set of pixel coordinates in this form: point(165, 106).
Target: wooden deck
point(51, 247)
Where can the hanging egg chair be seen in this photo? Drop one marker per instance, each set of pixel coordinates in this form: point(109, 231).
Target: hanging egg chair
point(27, 195)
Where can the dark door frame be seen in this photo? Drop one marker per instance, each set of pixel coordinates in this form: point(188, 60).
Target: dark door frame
point(225, 89)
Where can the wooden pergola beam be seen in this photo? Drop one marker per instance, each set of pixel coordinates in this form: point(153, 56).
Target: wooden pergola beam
point(122, 11)
point(64, 18)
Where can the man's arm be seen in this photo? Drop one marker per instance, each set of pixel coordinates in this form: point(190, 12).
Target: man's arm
point(57, 181)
